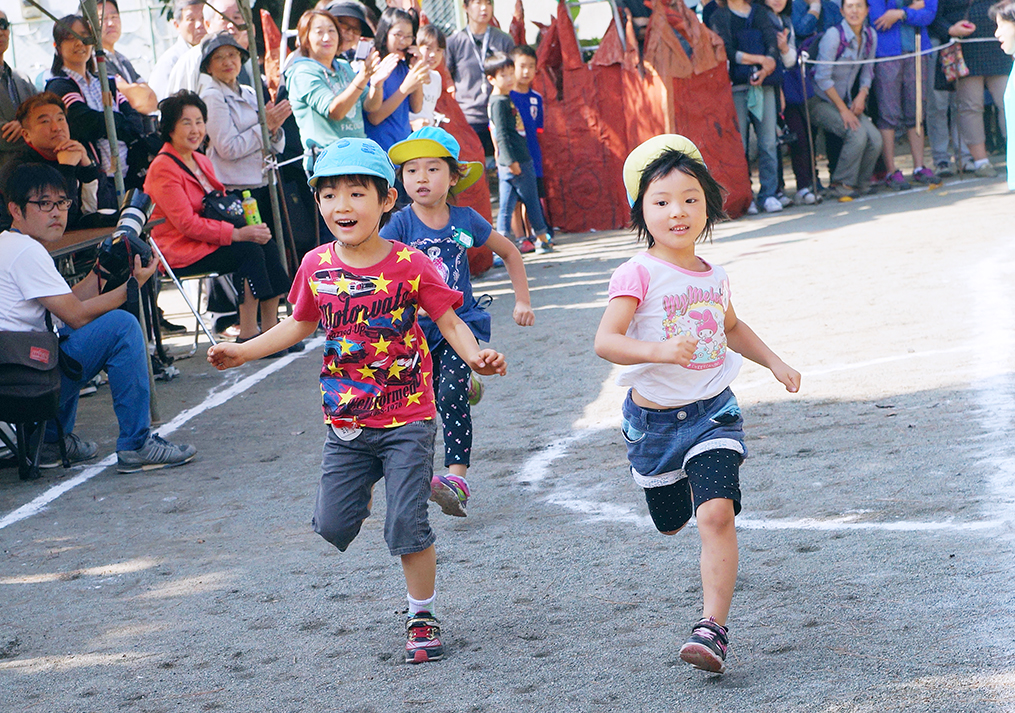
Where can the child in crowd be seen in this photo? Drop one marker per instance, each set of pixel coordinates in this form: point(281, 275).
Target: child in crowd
point(515, 169)
point(779, 14)
point(670, 318)
point(753, 52)
point(898, 22)
point(431, 44)
point(403, 89)
point(430, 171)
point(378, 402)
point(529, 104)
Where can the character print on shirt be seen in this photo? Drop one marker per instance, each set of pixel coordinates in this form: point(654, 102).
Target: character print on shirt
point(446, 254)
point(699, 313)
point(374, 352)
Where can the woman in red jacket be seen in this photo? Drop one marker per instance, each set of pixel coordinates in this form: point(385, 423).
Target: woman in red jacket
point(177, 181)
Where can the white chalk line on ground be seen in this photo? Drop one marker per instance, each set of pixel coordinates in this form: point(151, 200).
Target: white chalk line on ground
point(537, 469)
point(217, 396)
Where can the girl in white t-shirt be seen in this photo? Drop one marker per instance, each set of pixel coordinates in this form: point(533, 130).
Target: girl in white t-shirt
point(671, 321)
point(431, 43)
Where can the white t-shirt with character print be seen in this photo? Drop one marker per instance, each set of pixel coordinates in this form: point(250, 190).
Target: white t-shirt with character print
point(673, 301)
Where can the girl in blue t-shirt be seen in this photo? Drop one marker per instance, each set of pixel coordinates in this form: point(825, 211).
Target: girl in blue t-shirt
point(429, 170)
point(403, 89)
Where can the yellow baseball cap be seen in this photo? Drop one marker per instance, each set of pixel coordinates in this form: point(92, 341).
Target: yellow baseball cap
point(639, 159)
point(435, 142)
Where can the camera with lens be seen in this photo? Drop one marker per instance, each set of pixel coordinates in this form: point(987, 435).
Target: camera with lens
point(116, 253)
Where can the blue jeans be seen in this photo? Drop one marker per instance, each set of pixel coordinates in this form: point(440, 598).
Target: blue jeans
point(764, 130)
point(512, 188)
point(112, 342)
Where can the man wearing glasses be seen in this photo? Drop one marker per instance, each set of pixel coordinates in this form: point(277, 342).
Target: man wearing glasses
point(94, 334)
point(14, 89)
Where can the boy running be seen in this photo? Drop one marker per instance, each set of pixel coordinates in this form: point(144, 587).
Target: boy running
point(376, 378)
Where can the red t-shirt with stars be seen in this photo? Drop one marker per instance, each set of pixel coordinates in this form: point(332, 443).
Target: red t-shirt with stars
point(377, 371)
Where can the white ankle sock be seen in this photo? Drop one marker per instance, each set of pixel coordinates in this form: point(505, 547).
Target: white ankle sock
point(418, 605)
point(980, 163)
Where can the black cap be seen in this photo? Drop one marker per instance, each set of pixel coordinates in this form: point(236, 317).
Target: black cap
point(349, 8)
point(222, 39)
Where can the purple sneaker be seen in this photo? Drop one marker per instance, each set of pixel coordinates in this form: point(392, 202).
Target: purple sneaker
point(897, 182)
point(925, 176)
point(706, 649)
point(451, 492)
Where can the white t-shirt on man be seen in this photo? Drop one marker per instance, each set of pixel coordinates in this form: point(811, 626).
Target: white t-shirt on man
point(27, 273)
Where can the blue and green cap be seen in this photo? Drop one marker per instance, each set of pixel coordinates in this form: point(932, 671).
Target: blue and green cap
point(351, 157)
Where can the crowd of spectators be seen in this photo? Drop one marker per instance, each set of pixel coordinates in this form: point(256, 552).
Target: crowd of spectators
point(356, 72)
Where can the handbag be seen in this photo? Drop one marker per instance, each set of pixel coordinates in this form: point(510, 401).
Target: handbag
point(217, 205)
point(29, 377)
point(953, 64)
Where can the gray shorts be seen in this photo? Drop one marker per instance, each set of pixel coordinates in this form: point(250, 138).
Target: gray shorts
point(895, 88)
point(403, 457)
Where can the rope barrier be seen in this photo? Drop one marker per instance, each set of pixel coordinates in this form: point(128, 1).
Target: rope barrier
point(806, 59)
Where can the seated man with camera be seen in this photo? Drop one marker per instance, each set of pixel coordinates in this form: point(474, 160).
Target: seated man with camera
point(94, 333)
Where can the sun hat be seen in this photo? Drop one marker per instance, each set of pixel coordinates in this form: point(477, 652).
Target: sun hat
point(346, 8)
point(639, 159)
point(222, 39)
point(435, 142)
point(352, 156)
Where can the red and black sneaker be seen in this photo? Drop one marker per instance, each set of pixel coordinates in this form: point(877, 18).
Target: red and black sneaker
point(706, 649)
point(423, 642)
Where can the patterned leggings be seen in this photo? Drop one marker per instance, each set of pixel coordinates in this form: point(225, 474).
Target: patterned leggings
point(452, 387)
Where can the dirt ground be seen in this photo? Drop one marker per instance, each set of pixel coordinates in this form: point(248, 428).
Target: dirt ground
point(876, 537)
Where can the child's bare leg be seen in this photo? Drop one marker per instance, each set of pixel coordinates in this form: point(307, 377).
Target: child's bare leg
point(719, 557)
point(458, 469)
point(420, 569)
point(518, 223)
point(888, 149)
point(915, 146)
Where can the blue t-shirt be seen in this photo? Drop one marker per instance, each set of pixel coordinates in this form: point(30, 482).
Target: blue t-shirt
point(530, 106)
point(396, 126)
point(449, 257)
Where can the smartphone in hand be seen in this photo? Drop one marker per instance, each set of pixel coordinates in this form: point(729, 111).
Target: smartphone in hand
point(363, 49)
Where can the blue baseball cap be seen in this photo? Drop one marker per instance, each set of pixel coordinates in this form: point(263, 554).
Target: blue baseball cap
point(349, 157)
point(435, 142)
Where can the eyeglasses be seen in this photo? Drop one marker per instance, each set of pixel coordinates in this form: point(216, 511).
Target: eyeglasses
point(48, 206)
point(5, 24)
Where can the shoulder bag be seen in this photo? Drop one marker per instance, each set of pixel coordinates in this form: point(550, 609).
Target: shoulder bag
point(217, 205)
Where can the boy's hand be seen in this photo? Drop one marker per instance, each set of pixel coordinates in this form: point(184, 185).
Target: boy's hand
point(488, 362)
point(787, 375)
point(678, 350)
point(515, 168)
point(226, 355)
point(523, 314)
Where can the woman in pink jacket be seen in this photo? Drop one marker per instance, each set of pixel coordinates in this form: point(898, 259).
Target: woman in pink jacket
point(177, 181)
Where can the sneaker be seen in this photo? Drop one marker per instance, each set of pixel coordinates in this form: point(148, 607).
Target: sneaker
point(525, 246)
point(772, 205)
point(944, 169)
point(842, 193)
point(451, 492)
point(805, 196)
point(987, 170)
point(498, 261)
point(543, 247)
point(897, 182)
point(156, 453)
point(925, 176)
point(90, 387)
point(784, 199)
point(752, 209)
point(706, 649)
point(422, 634)
point(475, 391)
point(77, 451)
